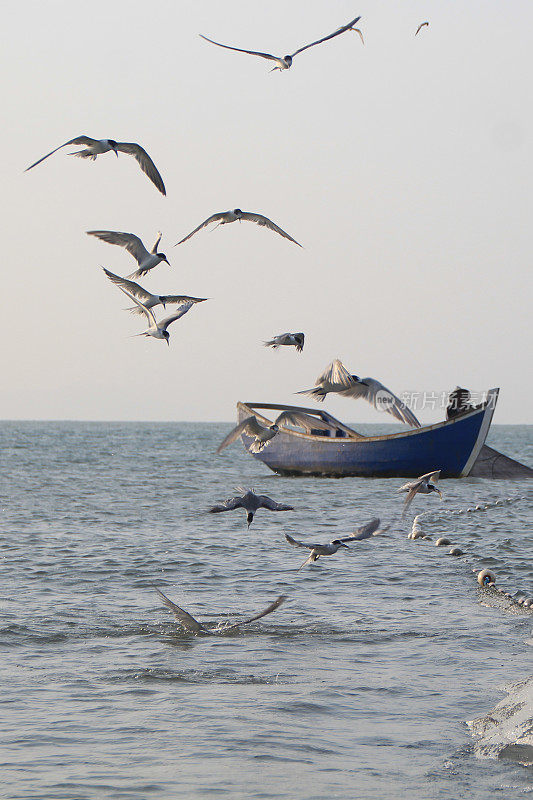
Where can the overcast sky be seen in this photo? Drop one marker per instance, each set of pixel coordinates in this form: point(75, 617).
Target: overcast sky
point(403, 166)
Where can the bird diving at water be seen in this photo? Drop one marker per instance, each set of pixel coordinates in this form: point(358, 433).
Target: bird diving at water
point(95, 147)
point(225, 217)
point(317, 550)
point(285, 62)
point(337, 379)
point(423, 484)
point(134, 246)
point(250, 502)
point(190, 624)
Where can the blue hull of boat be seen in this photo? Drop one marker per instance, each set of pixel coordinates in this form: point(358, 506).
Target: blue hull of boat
point(451, 446)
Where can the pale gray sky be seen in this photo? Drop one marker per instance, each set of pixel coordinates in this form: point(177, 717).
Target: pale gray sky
point(404, 167)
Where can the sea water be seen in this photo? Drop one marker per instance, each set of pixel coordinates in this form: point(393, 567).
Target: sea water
point(359, 686)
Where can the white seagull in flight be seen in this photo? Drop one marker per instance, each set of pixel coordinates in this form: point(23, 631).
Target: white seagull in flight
point(192, 625)
point(262, 434)
point(133, 245)
point(225, 217)
point(147, 299)
point(295, 339)
point(250, 502)
point(317, 550)
point(285, 62)
point(95, 147)
point(336, 378)
point(158, 329)
point(423, 485)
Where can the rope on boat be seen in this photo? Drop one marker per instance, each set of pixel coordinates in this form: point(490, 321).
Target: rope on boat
point(485, 577)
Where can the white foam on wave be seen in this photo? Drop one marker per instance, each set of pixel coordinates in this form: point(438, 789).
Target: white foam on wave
point(507, 730)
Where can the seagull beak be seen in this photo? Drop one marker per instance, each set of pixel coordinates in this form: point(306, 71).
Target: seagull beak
point(440, 493)
point(168, 342)
point(166, 259)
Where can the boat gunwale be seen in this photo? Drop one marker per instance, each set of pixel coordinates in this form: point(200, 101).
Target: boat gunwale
point(249, 406)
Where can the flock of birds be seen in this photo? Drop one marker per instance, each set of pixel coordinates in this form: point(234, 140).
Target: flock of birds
point(335, 378)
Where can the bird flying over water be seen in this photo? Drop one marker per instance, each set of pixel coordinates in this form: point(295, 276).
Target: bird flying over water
point(337, 379)
point(158, 329)
point(295, 339)
point(133, 245)
point(423, 485)
point(95, 147)
point(192, 625)
point(262, 434)
point(250, 502)
point(422, 25)
point(285, 62)
point(225, 217)
point(317, 550)
point(147, 299)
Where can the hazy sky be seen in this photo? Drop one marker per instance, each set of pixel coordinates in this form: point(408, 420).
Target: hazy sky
point(403, 166)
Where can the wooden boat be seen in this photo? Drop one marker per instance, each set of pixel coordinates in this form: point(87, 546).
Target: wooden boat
point(324, 446)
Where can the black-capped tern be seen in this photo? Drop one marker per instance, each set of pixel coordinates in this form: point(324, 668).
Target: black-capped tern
point(250, 502)
point(285, 62)
point(337, 379)
point(158, 329)
point(134, 246)
point(95, 147)
point(295, 339)
point(317, 550)
point(225, 217)
point(192, 625)
point(147, 299)
point(421, 485)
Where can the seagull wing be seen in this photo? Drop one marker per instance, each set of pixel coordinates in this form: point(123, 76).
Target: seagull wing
point(129, 286)
point(78, 140)
point(177, 314)
point(153, 251)
point(144, 161)
point(267, 502)
point(128, 241)
point(382, 399)
point(212, 218)
point(302, 420)
point(297, 543)
point(410, 497)
point(227, 505)
point(330, 36)
point(185, 619)
point(239, 50)
point(183, 298)
point(364, 532)
point(335, 373)
point(149, 313)
point(259, 219)
point(272, 607)
point(249, 425)
point(430, 476)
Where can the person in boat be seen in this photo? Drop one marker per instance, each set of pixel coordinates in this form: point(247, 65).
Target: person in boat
point(459, 403)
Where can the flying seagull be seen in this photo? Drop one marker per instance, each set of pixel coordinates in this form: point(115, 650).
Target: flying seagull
point(225, 217)
point(285, 62)
point(250, 501)
point(336, 378)
point(317, 550)
point(262, 434)
point(95, 147)
point(295, 339)
point(147, 299)
point(422, 24)
point(133, 245)
point(422, 485)
point(188, 622)
point(158, 329)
